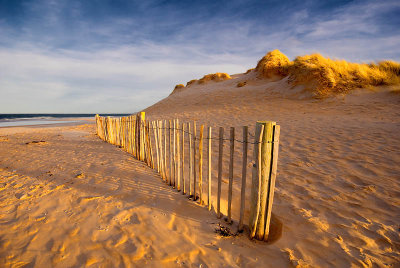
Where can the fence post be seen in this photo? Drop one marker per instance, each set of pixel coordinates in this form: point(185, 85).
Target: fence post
point(271, 188)
point(209, 169)
point(261, 186)
point(201, 164)
point(194, 161)
point(190, 159)
point(220, 154)
point(170, 151)
point(256, 180)
point(174, 155)
point(178, 157)
point(148, 145)
point(155, 132)
point(232, 151)
point(244, 174)
point(161, 150)
point(183, 160)
point(164, 124)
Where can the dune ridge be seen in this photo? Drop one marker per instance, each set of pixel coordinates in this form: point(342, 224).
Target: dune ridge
point(217, 77)
point(318, 75)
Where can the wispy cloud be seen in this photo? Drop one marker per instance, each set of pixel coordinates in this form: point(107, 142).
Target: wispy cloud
point(71, 56)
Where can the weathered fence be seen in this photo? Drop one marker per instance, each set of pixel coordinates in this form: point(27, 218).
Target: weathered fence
point(169, 145)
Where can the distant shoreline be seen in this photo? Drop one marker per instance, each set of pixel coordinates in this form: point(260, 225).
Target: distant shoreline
point(52, 116)
point(46, 120)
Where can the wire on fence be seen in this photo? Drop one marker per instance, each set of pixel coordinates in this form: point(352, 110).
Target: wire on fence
point(213, 138)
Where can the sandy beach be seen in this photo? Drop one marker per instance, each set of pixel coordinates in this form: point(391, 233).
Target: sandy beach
point(71, 200)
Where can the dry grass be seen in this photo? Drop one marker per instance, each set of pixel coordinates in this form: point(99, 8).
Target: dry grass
point(191, 82)
point(178, 88)
point(325, 76)
point(274, 63)
point(241, 84)
point(217, 77)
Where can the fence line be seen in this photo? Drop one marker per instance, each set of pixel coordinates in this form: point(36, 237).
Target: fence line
point(161, 145)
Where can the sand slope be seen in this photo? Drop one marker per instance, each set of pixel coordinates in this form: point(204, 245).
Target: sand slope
point(337, 194)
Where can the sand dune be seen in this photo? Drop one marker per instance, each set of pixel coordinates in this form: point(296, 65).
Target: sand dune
point(336, 195)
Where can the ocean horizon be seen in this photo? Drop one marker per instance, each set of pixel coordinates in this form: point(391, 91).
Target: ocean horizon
point(13, 120)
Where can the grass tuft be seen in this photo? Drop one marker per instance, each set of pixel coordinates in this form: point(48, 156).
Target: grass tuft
point(325, 76)
point(273, 63)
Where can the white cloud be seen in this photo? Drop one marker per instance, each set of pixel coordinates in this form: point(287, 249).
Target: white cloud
point(120, 80)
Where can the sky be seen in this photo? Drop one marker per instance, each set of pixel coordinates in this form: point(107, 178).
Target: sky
point(114, 56)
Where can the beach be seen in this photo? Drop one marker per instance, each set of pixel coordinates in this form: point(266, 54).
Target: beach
point(71, 200)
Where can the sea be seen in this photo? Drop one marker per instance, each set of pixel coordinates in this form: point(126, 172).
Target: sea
point(15, 120)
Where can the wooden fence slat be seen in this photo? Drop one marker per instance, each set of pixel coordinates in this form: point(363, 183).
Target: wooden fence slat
point(160, 142)
point(178, 157)
point(201, 164)
point(231, 158)
point(244, 174)
point(157, 129)
point(149, 145)
point(164, 124)
point(209, 170)
point(190, 159)
point(137, 136)
point(266, 149)
point(155, 132)
point(271, 188)
point(133, 135)
point(183, 160)
point(194, 162)
point(220, 154)
point(256, 180)
point(170, 152)
point(174, 155)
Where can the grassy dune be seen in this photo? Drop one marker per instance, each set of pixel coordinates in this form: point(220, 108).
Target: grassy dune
point(319, 75)
point(325, 76)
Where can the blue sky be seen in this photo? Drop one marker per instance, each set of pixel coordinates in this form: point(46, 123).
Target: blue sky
point(121, 56)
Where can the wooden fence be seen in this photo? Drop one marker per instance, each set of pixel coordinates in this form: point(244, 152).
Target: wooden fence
point(169, 145)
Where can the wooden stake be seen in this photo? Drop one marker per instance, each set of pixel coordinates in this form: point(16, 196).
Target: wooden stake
point(201, 164)
point(232, 151)
point(220, 154)
point(170, 152)
point(160, 142)
point(165, 149)
point(178, 157)
point(174, 155)
point(244, 174)
point(271, 188)
point(155, 132)
point(194, 162)
point(209, 169)
point(183, 160)
point(149, 146)
point(190, 159)
point(256, 180)
point(266, 150)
